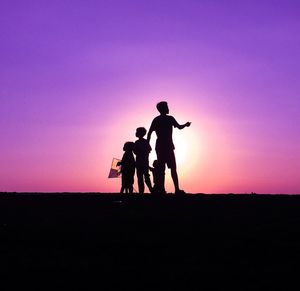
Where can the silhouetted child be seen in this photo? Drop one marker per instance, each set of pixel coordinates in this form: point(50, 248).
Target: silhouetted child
point(155, 173)
point(142, 149)
point(127, 168)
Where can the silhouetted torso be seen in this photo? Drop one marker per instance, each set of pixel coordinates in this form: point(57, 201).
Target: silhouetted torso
point(163, 126)
point(142, 150)
point(128, 166)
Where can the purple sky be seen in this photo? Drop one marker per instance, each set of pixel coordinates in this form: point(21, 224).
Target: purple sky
point(77, 78)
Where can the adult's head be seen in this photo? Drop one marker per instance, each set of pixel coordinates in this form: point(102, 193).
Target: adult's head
point(162, 107)
point(140, 132)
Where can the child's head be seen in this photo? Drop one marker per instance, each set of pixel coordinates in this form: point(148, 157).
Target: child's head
point(128, 146)
point(140, 132)
point(155, 164)
point(162, 107)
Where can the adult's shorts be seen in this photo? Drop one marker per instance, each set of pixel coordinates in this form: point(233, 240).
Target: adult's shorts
point(166, 157)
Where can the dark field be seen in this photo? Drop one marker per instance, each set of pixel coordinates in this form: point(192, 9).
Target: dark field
point(148, 240)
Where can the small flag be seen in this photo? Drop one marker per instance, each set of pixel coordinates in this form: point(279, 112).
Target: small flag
point(115, 171)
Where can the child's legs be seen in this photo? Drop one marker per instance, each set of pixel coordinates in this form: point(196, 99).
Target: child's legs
point(127, 182)
point(140, 176)
point(123, 184)
point(147, 179)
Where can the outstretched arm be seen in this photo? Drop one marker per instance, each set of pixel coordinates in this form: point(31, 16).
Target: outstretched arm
point(184, 125)
point(181, 126)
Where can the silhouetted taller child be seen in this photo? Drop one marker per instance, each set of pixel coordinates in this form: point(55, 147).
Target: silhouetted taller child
point(127, 168)
point(163, 126)
point(142, 149)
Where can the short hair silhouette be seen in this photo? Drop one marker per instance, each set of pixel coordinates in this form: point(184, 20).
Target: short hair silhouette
point(128, 146)
point(162, 107)
point(140, 132)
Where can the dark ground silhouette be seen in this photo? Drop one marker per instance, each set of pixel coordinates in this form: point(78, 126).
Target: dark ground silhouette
point(149, 241)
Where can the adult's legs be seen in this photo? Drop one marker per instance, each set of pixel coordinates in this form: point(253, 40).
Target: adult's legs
point(161, 164)
point(161, 177)
point(174, 175)
point(175, 179)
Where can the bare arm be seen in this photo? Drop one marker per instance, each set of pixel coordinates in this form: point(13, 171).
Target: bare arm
point(150, 132)
point(181, 126)
point(184, 125)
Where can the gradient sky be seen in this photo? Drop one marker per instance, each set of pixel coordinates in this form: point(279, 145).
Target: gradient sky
point(78, 77)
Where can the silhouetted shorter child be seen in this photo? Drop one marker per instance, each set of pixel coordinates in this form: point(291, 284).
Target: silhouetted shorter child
point(155, 174)
point(142, 149)
point(127, 168)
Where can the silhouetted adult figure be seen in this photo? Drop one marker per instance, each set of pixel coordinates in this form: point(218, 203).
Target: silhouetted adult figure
point(163, 126)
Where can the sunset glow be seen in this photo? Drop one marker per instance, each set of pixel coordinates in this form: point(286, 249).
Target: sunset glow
point(77, 79)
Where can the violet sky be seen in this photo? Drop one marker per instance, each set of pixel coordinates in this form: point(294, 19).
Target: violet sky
point(77, 78)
